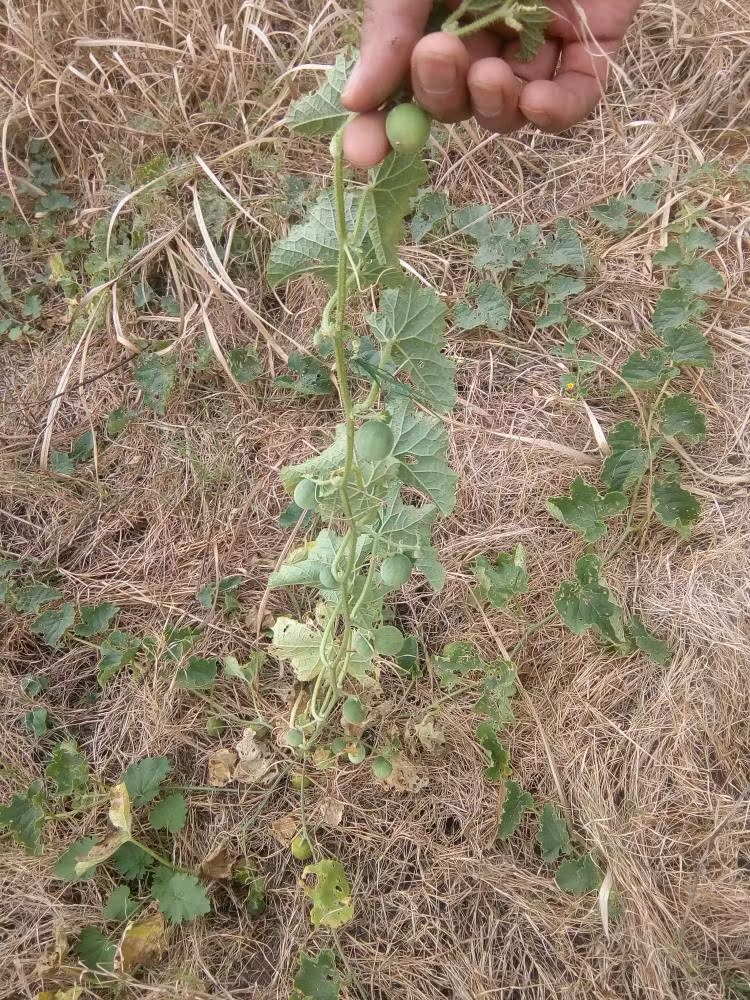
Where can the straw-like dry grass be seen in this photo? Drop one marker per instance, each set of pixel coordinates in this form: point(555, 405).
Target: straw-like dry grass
point(653, 764)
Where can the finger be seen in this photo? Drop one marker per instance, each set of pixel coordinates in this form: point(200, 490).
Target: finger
point(541, 67)
point(365, 141)
point(439, 65)
point(557, 104)
point(390, 30)
point(495, 92)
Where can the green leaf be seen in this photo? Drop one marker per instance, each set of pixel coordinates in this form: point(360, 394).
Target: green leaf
point(245, 364)
point(32, 306)
point(309, 377)
point(311, 247)
point(499, 581)
point(402, 527)
point(515, 804)
point(458, 660)
point(613, 215)
point(556, 315)
point(498, 250)
point(490, 309)
point(385, 204)
point(131, 861)
point(431, 209)
point(170, 814)
point(65, 866)
point(94, 620)
point(24, 817)
point(8, 567)
point(53, 624)
point(117, 651)
point(34, 684)
point(473, 221)
point(676, 308)
point(697, 239)
point(674, 506)
point(61, 463)
point(564, 248)
point(688, 346)
point(410, 325)
point(429, 565)
point(55, 201)
point(552, 836)
point(585, 509)
point(647, 371)
point(644, 198)
point(319, 467)
point(83, 447)
point(292, 515)
point(655, 648)
point(119, 907)
point(156, 378)
point(68, 769)
point(587, 602)
point(562, 286)
point(144, 779)
point(679, 417)
point(37, 721)
point(180, 897)
point(499, 687)
point(317, 978)
point(95, 951)
point(579, 875)
point(498, 756)
point(533, 20)
point(31, 597)
point(670, 256)
point(119, 420)
point(627, 464)
point(321, 112)
point(420, 445)
point(246, 672)
point(300, 645)
point(198, 674)
point(698, 278)
point(330, 896)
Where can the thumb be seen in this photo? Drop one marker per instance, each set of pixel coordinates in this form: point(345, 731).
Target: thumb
point(390, 30)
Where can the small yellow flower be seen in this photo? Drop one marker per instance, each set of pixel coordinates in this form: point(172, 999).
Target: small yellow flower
point(570, 386)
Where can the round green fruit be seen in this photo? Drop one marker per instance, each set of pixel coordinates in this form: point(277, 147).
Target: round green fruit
point(373, 441)
point(396, 570)
point(304, 494)
point(301, 848)
point(294, 738)
point(327, 580)
point(388, 640)
point(357, 753)
point(353, 712)
point(300, 781)
point(215, 725)
point(408, 128)
point(381, 768)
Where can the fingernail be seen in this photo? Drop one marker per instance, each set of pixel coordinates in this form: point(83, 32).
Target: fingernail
point(436, 75)
point(488, 104)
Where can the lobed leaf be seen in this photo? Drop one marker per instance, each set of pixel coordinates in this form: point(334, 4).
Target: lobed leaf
point(515, 804)
point(501, 580)
point(585, 510)
point(330, 895)
point(552, 837)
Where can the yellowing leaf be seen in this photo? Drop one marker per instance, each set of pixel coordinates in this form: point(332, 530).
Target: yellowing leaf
point(404, 776)
point(143, 943)
point(221, 766)
point(120, 813)
point(254, 764)
point(218, 864)
point(330, 895)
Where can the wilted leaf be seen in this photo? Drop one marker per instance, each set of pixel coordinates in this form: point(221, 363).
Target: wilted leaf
point(221, 765)
point(326, 812)
point(404, 776)
point(497, 754)
point(65, 866)
point(286, 828)
point(429, 735)
point(143, 943)
point(254, 764)
point(218, 864)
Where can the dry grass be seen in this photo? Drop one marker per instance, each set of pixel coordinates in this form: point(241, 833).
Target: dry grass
point(654, 763)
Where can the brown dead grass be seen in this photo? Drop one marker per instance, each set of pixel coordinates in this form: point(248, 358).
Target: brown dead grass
point(653, 764)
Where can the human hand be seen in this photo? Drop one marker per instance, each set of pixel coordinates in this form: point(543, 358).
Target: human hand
point(481, 75)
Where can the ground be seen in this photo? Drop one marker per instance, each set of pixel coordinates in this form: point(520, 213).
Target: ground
point(649, 763)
